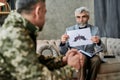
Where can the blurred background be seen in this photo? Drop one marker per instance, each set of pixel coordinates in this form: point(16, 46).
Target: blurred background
point(105, 14)
point(60, 14)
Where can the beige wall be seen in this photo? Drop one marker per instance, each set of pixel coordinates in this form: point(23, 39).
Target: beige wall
point(60, 14)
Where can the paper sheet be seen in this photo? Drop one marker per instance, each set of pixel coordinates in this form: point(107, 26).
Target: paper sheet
point(79, 37)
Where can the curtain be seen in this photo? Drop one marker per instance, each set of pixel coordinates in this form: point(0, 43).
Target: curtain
point(107, 17)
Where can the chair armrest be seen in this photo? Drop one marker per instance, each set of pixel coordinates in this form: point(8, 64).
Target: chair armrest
point(47, 50)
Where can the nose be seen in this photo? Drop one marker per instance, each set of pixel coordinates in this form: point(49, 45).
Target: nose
point(81, 19)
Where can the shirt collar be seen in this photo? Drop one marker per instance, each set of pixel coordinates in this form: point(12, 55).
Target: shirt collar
point(32, 28)
point(77, 25)
point(82, 27)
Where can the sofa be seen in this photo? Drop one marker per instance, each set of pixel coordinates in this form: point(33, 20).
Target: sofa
point(110, 67)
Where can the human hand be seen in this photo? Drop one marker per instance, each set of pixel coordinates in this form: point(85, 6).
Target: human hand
point(74, 59)
point(95, 39)
point(64, 38)
point(72, 52)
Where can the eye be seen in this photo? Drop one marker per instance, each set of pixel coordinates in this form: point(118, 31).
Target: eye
point(77, 16)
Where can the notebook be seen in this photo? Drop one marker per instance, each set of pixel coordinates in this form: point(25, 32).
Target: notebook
point(90, 54)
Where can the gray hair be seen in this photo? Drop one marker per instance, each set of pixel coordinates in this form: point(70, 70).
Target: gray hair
point(81, 10)
point(26, 5)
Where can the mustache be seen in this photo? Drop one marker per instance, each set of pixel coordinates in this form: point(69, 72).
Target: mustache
point(82, 24)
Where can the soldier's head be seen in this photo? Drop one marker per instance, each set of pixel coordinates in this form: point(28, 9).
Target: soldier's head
point(33, 10)
point(82, 16)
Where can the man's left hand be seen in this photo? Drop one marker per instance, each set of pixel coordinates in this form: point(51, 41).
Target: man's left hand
point(95, 39)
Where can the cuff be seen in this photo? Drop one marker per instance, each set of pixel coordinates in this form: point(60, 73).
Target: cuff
point(62, 44)
point(99, 43)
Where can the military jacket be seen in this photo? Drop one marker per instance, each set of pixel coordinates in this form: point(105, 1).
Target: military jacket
point(18, 58)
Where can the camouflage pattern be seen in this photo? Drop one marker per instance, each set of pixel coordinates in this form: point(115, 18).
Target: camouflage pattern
point(18, 58)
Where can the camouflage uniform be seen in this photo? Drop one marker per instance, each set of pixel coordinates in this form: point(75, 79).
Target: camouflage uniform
point(18, 58)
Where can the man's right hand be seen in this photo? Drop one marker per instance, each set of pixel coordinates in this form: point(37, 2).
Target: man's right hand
point(64, 38)
point(75, 58)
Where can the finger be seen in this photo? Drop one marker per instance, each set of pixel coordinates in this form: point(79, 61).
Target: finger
point(72, 52)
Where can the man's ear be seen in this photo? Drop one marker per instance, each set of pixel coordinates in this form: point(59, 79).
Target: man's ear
point(37, 11)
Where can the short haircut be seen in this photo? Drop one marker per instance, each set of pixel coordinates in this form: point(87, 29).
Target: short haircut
point(81, 10)
point(26, 5)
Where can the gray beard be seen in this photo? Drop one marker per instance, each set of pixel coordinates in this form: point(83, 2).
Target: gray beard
point(81, 25)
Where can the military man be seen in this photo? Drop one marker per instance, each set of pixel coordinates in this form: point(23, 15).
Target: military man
point(18, 58)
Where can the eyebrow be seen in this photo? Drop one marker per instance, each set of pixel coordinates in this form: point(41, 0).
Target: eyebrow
point(81, 16)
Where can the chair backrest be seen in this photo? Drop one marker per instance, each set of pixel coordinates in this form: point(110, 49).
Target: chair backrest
point(4, 10)
point(4, 7)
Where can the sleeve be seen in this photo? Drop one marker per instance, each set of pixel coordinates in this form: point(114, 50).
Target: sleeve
point(18, 54)
point(99, 46)
point(63, 48)
point(52, 62)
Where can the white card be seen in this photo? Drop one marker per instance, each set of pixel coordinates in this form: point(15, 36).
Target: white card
point(79, 37)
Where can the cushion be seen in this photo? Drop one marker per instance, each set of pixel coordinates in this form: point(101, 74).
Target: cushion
point(109, 68)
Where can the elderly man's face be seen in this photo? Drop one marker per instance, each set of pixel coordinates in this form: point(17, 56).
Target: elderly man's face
point(82, 18)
